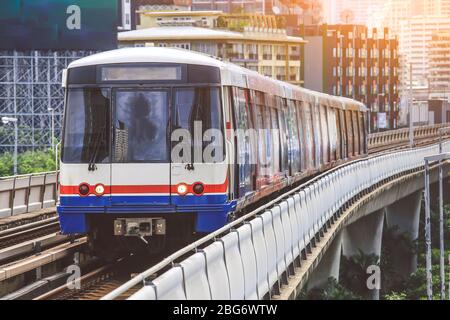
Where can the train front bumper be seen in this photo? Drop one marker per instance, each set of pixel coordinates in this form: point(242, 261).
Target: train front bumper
point(209, 217)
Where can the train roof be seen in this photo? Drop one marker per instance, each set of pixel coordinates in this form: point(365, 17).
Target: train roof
point(231, 73)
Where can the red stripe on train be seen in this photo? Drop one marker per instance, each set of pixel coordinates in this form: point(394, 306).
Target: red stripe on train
point(209, 188)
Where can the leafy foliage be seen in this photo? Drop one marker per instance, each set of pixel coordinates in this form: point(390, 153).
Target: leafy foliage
point(332, 291)
point(28, 162)
point(353, 272)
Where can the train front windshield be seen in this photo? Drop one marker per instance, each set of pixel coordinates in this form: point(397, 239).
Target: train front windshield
point(87, 126)
point(134, 125)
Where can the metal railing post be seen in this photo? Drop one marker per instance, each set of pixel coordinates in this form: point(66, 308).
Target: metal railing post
point(428, 232)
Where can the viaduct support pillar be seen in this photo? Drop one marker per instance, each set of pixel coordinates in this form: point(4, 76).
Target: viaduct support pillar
point(404, 216)
point(328, 266)
point(365, 235)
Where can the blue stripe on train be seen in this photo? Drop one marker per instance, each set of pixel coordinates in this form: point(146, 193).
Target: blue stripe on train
point(212, 210)
point(143, 200)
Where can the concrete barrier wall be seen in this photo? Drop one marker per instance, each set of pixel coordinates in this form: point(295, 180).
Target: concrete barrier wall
point(28, 193)
point(280, 233)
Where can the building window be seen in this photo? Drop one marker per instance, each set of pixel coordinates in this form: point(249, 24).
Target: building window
point(374, 53)
point(362, 71)
point(267, 52)
point(294, 53)
point(350, 52)
point(205, 47)
point(363, 53)
point(350, 90)
point(252, 50)
point(362, 89)
point(374, 71)
point(350, 71)
point(294, 74)
point(236, 51)
point(337, 90)
point(337, 71)
point(374, 88)
point(280, 52)
point(280, 73)
point(267, 71)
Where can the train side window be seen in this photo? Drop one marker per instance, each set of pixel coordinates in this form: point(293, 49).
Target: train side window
point(356, 132)
point(350, 137)
point(284, 161)
point(332, 132)
point(325, 137)
point(337, 116)
point(260, 127)
point(343, 126)
point(317, 134)
point(362, 140)
point(276, 141)
point(269, 139)
point(295, 155)
point(308, 134)
point(243, 144)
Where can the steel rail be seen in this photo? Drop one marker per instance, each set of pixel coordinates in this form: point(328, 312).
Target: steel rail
point(26, 227)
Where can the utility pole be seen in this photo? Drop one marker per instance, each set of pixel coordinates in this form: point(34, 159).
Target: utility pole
point(411, 130)
point(52, 127)
point(8, 120)
point(442, 131)
point(439, 158)
point(428, 232)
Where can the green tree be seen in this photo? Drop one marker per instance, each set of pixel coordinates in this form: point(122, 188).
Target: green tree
point(332, 291)
point(6, 164)
point(28, 162)
point(353, 272)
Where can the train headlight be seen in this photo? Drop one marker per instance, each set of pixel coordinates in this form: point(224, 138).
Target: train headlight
point(182, 189)
point(198, 188)
point(83, 189)
point(99, 189)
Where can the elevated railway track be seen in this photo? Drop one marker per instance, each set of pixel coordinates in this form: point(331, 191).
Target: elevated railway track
point(28, 245)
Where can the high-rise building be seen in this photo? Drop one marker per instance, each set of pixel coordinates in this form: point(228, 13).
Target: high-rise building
point(353, 11)
point(343, 60)
point(234, 6)
point(415, 38)
point(396, 11)
point(124, 15)
point(439, 66)
point(309, 11)
point(257, 42)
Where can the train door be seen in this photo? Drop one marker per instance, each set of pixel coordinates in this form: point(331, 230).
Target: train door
point(198, 165)
point(242, 124)
point(140, 170)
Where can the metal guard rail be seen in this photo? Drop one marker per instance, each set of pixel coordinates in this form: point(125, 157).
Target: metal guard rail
point(28, 193)
point(252, 254)
point(376, 140)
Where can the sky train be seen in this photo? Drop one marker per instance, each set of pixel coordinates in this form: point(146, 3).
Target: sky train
point(162, 143)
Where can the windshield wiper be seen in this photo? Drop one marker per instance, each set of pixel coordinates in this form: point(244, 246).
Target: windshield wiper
point(97, 142)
